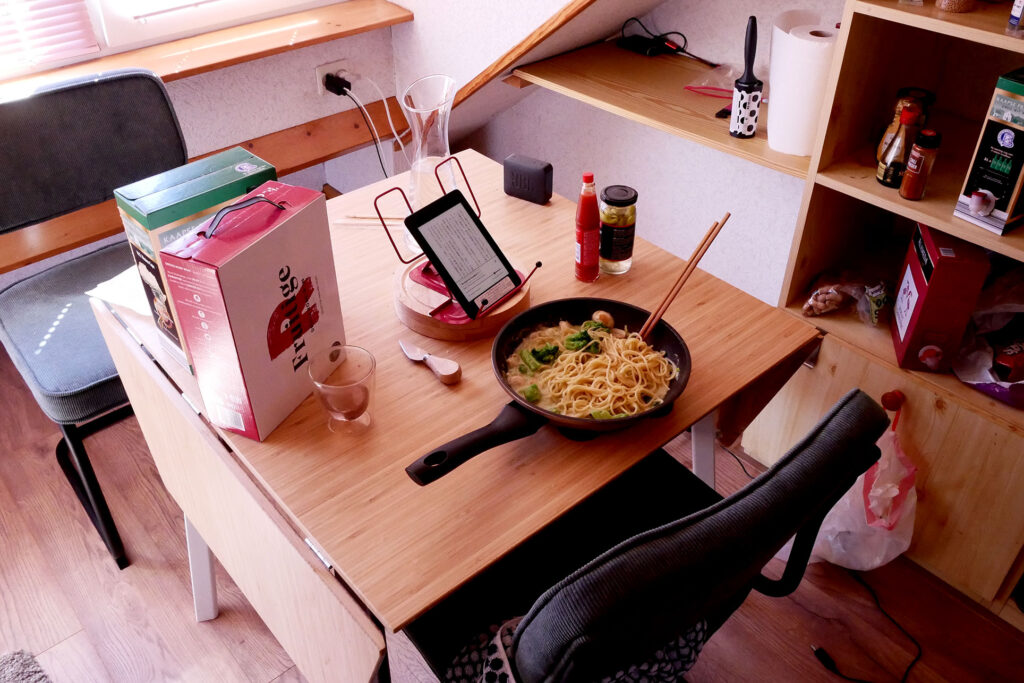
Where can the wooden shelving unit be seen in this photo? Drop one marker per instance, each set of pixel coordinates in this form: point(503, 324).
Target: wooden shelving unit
point(651, 91)
point(967, 446)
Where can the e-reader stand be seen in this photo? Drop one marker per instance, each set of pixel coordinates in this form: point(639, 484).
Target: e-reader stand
point(424, 301)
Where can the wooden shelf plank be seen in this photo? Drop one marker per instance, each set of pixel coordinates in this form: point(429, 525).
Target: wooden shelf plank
point(876, 342)
point(983, 25)
point(218, 49)
point(856, 178)
point(651, 90)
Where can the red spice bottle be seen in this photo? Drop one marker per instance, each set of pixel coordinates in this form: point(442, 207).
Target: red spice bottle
point(919, 165)
point(588, 232)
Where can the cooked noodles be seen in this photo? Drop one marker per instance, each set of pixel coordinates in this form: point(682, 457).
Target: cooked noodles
point(589, 371)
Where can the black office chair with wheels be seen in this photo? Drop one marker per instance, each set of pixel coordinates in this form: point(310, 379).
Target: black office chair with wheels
point(632, 582)
point(67, 147)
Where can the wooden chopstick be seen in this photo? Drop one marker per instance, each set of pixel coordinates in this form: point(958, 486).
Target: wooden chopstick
point(691, 265)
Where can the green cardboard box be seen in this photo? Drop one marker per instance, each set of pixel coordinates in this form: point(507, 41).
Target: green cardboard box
point(991, 194)
point(158, 210)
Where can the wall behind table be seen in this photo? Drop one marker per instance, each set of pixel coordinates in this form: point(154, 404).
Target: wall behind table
point(226, 106)
point(456, 37)
point(683, 187)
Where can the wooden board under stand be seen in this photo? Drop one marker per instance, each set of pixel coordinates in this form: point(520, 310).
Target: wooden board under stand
point(414, 302)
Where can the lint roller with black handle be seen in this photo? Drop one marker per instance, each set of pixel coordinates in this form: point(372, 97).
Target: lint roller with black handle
point(746, 93)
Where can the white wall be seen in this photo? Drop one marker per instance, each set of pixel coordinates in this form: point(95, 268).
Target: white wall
point(227, 106)
point(683, 186)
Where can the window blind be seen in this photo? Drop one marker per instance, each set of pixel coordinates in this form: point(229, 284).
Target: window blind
point(36, 33)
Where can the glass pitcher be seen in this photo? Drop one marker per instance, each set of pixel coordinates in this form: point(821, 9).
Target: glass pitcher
point(427, 104)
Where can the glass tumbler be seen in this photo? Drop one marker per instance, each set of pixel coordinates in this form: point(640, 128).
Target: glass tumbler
point(343, 380)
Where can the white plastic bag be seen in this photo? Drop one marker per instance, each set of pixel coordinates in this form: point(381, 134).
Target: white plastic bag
point(873, 522)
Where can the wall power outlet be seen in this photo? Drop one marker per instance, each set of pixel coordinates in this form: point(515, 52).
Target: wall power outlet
point(341, 67)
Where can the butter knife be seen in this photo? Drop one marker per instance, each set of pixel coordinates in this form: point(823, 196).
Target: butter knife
point(448, 371)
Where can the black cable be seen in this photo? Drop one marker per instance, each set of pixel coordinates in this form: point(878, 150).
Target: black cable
point(830, 664)
point(826, 660)
point(366, 119)
point(663, 38)
point(740, 462)
point(878, 603)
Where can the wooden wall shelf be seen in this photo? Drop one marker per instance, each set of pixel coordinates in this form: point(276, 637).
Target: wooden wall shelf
point(983, 25)
point(217, 49)
point(650, 90)
point(857, 179)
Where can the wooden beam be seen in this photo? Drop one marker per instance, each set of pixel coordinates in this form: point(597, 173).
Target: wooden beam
point(21, 247)
point(289, 150)
point(315, 142)
point(571, 10)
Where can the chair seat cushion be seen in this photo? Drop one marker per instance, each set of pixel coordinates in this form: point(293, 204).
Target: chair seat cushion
point(53, 339)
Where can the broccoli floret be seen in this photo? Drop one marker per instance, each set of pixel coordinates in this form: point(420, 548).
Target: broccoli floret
point(581, 340)
point(532, 393)
point(593, 325)
point(606, 415)
point(545, 354)
point(529, 361)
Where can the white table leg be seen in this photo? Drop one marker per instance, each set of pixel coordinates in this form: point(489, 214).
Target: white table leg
point(200, 564)
point(702, 443)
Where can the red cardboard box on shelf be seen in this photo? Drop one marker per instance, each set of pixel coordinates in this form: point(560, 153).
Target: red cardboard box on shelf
point(938, 287)
point(255, 292)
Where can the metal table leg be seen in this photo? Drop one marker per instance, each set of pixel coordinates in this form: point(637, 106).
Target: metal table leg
point(702, 443)
point(204, 584)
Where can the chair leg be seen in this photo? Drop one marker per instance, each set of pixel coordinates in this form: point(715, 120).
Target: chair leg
point(73, 460)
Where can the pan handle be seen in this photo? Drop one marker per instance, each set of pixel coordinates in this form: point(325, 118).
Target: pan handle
point(513, 422)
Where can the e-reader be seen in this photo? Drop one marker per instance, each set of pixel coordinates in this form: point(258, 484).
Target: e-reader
point(462, 251)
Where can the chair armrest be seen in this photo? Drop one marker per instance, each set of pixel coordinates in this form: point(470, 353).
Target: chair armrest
point(799, 555)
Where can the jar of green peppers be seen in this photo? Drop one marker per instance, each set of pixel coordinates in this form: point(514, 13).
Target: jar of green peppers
point(618, 227)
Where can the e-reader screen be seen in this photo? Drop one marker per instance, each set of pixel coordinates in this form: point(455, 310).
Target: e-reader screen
point(463, 252)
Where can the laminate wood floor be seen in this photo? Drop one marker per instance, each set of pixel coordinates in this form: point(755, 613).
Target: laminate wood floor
point(63, 599)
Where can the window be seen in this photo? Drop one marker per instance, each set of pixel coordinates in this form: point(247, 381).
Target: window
point(41, 34)
point(38, 33)
point(126, 24)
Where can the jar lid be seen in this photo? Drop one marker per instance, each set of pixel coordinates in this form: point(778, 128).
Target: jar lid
point(618, 195)
point(928, 139)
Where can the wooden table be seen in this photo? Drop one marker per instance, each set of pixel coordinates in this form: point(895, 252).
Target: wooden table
point(396, 547)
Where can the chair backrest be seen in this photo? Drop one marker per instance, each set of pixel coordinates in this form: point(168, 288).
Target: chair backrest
point(618, 608)
point(69, 145)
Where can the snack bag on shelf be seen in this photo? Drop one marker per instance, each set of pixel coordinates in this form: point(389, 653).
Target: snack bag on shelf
point(992, 359)
point(833, 294)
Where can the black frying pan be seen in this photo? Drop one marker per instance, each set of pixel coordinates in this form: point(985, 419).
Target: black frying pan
point(520, 418)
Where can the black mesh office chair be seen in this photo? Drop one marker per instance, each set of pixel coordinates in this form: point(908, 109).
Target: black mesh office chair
point(64, 148)
point(632, 582)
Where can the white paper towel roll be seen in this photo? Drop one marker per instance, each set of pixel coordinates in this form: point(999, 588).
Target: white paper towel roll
point(801, 54)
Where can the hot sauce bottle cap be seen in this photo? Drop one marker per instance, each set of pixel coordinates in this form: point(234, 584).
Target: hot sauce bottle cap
point(588, 177)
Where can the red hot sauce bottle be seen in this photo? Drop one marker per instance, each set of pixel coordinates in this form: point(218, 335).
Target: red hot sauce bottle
point(588, 232)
